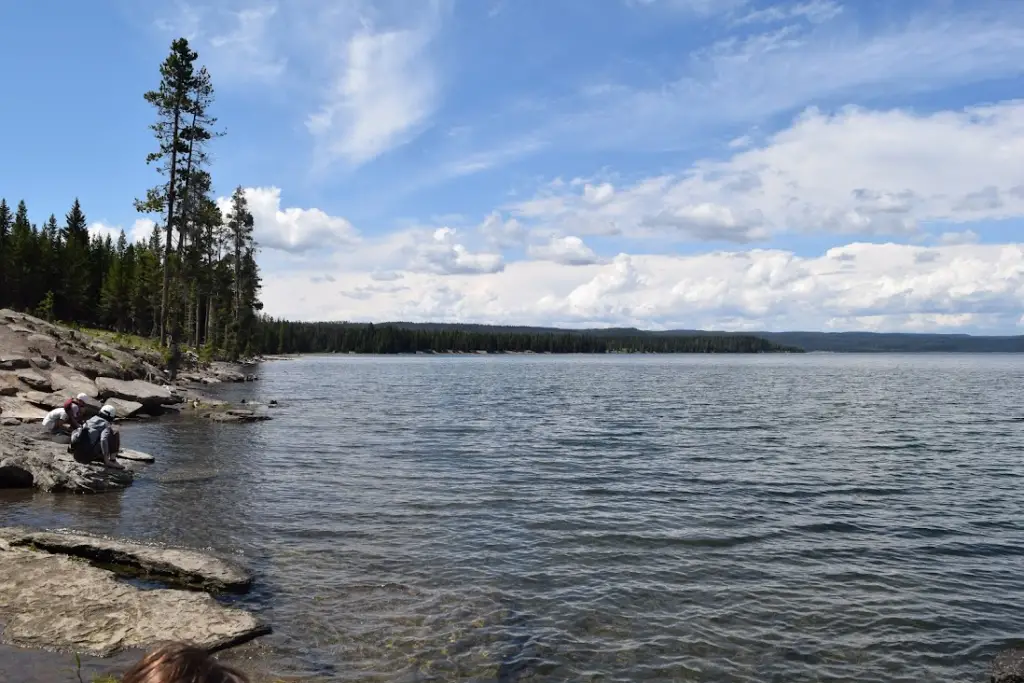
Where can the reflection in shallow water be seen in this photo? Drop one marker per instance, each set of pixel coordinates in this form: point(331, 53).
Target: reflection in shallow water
point(622, 519)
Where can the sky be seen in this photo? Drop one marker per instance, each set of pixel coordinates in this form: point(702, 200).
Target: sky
point(693, 164)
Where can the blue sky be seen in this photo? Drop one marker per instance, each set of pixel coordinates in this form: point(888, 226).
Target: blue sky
point(738, 164)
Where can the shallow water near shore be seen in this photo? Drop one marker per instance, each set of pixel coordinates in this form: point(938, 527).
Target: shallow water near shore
point(704, 518)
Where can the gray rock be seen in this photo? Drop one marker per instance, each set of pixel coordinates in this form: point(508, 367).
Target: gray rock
point(14, 407)
point(45, 401)
point(125, 409)
point(149, 395)
point(26, 462)
point(41, 363)
point(13, 362)
point(55, 602)
point(34, 380)
point(72, 383)
point(177, 565)
point(1008, 666)
point(19, 328)
point(9, 384)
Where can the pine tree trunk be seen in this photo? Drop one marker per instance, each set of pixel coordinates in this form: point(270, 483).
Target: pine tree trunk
point(170, 226)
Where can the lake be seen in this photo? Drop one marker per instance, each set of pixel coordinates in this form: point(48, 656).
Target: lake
point(612, 518)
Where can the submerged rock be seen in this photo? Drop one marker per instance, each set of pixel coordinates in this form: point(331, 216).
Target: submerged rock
point(175, 565)
point(1008, 666)
point(236, 415)
point(55, 602)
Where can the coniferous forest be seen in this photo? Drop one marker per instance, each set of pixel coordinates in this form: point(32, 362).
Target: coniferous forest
point(194, 283)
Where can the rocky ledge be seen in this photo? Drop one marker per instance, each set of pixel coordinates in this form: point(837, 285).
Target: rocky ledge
point(26, 462)
point(53, 601)
point(178, 566)
point(43, 364)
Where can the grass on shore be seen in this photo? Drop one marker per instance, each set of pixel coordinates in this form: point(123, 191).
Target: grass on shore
point(130, 340)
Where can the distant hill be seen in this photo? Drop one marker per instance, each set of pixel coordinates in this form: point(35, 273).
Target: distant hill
point(837, 342)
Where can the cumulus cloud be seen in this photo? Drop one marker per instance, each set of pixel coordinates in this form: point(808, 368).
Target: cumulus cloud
point(442, 254)
point(856, 286)
point(569, 251)
point(855, 171)
point(291, 229)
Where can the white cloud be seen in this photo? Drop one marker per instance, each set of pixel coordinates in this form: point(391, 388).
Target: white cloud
point(139, 231)
point(237, 45)
point(569, 251)
point(814, 11)
point(291, 229)
point(853, 172)
point(963, 237)
point(442, 254)
point(386, 89)
point(856, 286)
point(246, 49)
point(749, 78)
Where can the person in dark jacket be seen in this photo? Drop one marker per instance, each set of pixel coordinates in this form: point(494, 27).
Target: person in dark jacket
point(97, 440)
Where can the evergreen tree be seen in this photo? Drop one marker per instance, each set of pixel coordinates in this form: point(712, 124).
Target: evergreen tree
point(72, 292)
point(173, 100)
point(21, 276)
point(5, 233)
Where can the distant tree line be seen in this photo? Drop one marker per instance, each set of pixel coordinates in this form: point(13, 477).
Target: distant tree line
point(281, 336)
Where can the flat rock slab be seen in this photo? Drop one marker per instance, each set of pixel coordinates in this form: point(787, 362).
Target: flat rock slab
point(187, 567)
point(55, 602)
point(135, 456)
point(149, 395)
point(34, 380)
point(124, 408)
point(20, 409)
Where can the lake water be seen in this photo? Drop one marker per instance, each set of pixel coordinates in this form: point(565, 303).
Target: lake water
point(699, 518)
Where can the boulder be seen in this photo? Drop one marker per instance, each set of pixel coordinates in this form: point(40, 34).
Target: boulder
point(41, 363)
point(34, 380)
point(17, 408)
point(14, 362)
point(125, 409)
point(44, 400)
point(9, 384)
point(21, 329)
point(72, 383)
point(56, 602)
point(149, 395)
point(181, 566)
point(48, 467)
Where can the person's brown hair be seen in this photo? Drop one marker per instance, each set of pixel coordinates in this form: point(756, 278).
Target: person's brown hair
point(181, 663)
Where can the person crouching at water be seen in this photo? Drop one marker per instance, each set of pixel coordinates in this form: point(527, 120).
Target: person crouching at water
point(56, 422)
point(73, 410)
point(98, 440)
point(181, 663)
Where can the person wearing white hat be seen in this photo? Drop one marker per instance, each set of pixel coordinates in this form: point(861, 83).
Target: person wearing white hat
point(97, 440)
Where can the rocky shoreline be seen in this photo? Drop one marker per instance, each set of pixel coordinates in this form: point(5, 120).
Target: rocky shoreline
point(63, 592)
point(42, 364)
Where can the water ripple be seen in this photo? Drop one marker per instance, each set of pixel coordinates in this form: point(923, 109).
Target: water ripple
point(617, 519)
